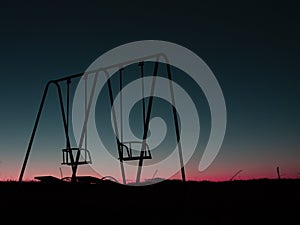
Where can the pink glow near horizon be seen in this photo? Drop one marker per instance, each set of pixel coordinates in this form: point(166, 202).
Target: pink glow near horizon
point(210, 175)
point(221, 170)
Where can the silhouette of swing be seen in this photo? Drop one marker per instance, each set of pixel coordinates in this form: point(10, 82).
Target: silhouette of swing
point(83, 156)
point(84, 159)
point(125, 148)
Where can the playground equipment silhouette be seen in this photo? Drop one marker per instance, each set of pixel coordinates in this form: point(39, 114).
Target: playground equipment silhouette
point(80, 155)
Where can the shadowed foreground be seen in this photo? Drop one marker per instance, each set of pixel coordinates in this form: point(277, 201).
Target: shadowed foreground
point(167, 202)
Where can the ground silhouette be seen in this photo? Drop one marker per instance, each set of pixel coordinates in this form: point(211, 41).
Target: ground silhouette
point(167, 202)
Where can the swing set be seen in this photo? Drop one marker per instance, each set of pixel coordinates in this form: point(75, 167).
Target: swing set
point(80, 155)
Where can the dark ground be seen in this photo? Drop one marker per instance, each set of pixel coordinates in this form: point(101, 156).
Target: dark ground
point(262, 201)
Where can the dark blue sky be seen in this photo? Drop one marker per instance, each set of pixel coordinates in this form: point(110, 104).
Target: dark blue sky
point(253, 50)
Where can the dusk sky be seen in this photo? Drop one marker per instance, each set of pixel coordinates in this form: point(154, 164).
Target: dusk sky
point(252, 49)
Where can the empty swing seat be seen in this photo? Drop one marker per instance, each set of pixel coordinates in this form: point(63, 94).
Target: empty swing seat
point(85, 156)
point(126, 150)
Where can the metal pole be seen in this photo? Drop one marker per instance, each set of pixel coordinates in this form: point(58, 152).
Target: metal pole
point(34, 131)
point(146, 127)
point(115, 126)
point(68, 102)
point(121, 105)
point(176, 122)
point(141, 64)
point(74, 166)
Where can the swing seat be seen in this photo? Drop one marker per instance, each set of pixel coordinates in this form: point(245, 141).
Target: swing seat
point(126, 151)
point(85, 156)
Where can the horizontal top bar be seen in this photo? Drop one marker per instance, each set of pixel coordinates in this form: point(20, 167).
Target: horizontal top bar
point(119, 65)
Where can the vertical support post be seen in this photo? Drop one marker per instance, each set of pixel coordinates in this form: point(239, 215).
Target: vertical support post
point(34, 131)
point(115, 126)
point(146, 127)
point(85, 110)
point(74, 165)
point(278, 172)
point(176, 122)
point(121, 105)
point(68, 103)
point(83, 132)
point(141, 64)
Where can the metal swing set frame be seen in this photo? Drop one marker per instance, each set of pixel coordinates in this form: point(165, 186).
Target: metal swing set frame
point(75, 156)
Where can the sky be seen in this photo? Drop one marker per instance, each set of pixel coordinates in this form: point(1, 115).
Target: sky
point(252, 49)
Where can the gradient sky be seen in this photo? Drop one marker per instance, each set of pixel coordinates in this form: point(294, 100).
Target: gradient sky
point(253, 50)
